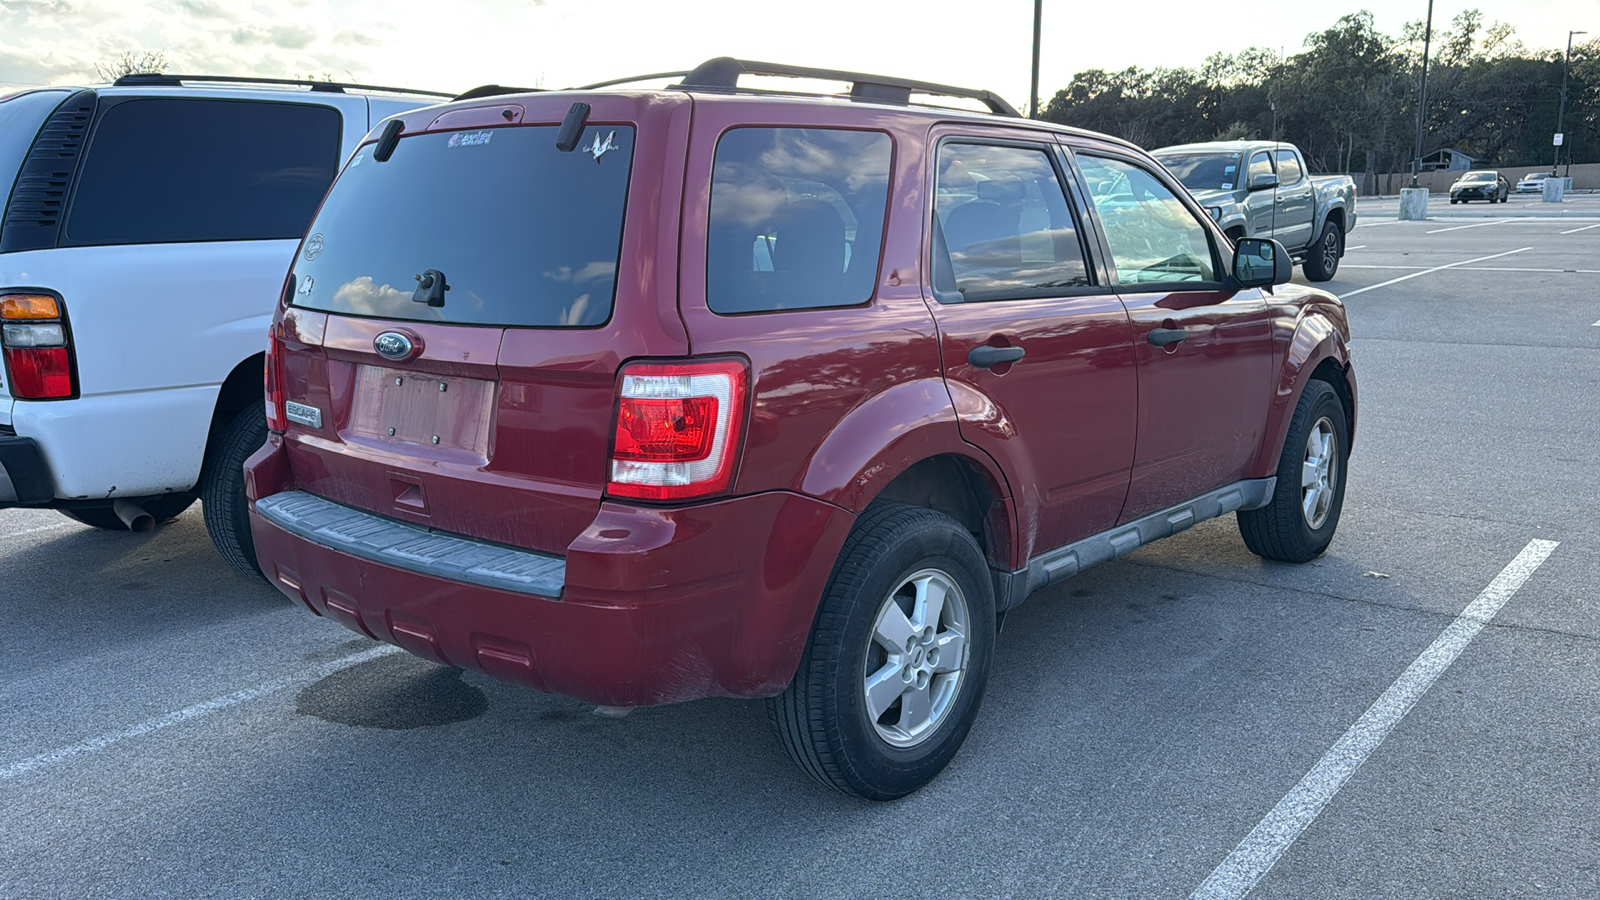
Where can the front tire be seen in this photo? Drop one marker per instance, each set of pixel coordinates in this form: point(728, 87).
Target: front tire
point(1298, 523)
point(894, 671)
point(1323, 260)
point(226, 508)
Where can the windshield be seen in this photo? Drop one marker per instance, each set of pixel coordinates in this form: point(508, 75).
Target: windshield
point(1478, 176)
point(1203, 171)
point(522, 233)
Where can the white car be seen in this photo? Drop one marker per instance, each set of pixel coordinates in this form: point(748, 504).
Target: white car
point(147, 231)
point(1533, 183)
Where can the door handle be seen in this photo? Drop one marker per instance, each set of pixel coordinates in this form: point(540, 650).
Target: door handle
point(984, 356)
point(1161, 337)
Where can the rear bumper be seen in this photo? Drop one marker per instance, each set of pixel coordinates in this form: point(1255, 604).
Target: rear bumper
point(655, 605)
point(24, 477)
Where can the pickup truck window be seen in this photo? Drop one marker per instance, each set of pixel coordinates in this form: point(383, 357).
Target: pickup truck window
point(1203, 171)
point(1288, 168)
point(1006, 226)
point(1153, 237)
point(1260, 164)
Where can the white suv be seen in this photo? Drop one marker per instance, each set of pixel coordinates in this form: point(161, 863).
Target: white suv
point(147, 230)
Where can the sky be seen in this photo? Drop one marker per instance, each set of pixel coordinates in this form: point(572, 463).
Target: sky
point(459, 44)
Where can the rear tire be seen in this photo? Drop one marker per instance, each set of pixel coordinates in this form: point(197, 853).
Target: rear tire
point(1298, 523)
point(226, 508)
point(1322, 260)
point(163, 509)
point(893, 673)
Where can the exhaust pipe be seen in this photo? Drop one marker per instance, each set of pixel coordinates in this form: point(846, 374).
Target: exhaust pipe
point(133, 515)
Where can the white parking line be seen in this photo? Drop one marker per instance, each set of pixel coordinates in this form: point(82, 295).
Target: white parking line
point(1475, 225)
point(191, 712)
point(1584, 228)
point(1482, 269)
point(1259, 851)
point(1464, 262)
point(1356, 247)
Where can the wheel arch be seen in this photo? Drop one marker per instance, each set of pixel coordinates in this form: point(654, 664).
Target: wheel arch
point(240, 389)
point(1318, 349)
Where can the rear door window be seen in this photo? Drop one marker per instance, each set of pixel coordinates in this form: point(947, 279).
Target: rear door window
point(1005, 230)
point(797, 218)
point(174, 170)
point(522, 233)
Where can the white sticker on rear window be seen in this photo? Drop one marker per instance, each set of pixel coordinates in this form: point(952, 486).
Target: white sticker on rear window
point(469, 138)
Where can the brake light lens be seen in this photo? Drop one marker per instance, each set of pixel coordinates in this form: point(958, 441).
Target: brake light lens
point(37, 347)
point(276, 421)
point(678, 429)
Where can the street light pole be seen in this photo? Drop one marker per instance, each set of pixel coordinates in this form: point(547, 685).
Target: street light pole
point(1033, 94)
point(1422, 95)
point(1561, 111)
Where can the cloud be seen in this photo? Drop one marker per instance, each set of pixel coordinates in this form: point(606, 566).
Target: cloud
point(289, 37)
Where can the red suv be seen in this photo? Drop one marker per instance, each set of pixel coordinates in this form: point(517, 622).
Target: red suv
point(646, 396)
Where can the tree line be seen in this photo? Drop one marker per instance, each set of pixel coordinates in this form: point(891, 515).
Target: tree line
point(1349, 98)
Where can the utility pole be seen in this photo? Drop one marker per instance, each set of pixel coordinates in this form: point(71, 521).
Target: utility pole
point(1033, 93)
point(1422, 95)
point(1561, 111)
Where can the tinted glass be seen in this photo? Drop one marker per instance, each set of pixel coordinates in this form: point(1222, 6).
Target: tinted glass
point(1005, 224)
point(160, 171)
point(796, 218)
point(1153, 236)
point(524, 234)
point(1203, 171)
point(1288, 167)
point(20, 118)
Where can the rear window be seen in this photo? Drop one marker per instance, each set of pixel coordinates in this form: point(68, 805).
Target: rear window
point(164, 171)
point(796, 218)
point(20, 118)
point(523, 233)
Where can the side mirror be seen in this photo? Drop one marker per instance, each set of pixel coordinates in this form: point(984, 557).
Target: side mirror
point(1263, 180)
point(1259, 262)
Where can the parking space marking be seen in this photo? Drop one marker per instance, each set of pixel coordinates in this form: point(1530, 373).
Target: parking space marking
point(1464, 262)
point(1584, 228)
point(1484, 269)
point(1474, 225)
point(1260, 850)
point(1356, 247)
point(189, 713)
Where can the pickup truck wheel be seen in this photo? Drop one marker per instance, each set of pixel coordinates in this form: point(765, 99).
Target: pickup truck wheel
point(894, 671)
point(1298, 523)
point(1322, 260)
point(162, 509)
point(226, 508)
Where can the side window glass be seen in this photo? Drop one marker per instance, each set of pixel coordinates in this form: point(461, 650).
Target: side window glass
point(797, 217)
point(1288, 168)
point(1004, 227)
point(1153, 236)
point(1260, 164)
point(162, 171)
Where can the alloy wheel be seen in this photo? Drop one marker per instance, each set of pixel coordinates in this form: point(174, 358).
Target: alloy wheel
point(917, 659)
point(1319, 473)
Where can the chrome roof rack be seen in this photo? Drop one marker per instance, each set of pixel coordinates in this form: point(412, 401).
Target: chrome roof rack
point(722, 74)
point(161, 79)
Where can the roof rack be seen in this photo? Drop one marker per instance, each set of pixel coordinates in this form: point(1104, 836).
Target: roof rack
point(493, 90)
point(654, 76)
point(722, 74)
point(160, 79)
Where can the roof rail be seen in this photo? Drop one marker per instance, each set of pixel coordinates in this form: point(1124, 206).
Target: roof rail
point(654, 76)
point(722, 74)
point(493, 90)
point(160, 79)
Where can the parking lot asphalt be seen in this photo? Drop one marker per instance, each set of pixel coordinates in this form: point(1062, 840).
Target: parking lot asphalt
point(1186, 721)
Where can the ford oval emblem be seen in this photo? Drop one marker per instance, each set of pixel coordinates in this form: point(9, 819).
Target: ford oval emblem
point(393, 345)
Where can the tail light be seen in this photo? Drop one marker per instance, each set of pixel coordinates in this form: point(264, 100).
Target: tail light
point(678, 429)
point(37, 347)
point(276, 420)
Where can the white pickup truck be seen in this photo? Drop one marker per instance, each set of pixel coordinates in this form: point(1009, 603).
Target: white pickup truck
point(147, 230)
point(1262, 189)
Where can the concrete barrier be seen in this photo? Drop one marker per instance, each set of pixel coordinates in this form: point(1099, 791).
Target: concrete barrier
point(1414, 203)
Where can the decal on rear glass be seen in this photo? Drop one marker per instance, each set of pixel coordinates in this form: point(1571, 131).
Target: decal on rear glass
point(314, 246)
point(469, 138)
point(597, 149)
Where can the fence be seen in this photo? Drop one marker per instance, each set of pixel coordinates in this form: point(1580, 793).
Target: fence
point(1585, 176)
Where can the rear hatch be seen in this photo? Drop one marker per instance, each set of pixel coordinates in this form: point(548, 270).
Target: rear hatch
point(505, 281)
